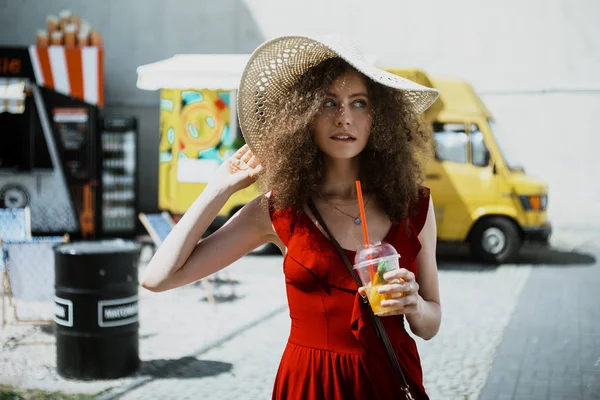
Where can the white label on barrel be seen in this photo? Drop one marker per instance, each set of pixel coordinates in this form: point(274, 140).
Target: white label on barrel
point(63, 311)
point(117, 312)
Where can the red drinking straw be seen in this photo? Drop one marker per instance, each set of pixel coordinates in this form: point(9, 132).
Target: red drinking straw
point(361, 206)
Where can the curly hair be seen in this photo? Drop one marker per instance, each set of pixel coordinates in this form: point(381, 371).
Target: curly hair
point(391, 163)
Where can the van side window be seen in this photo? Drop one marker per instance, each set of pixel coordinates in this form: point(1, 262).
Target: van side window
point(480, 155)
point(450, 142)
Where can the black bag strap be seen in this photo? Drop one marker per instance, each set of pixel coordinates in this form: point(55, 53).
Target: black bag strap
point(379, 328)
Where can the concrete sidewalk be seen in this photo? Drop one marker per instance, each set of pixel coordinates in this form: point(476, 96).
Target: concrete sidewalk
point(523, 331)
point(551, 348)
point(175, 326)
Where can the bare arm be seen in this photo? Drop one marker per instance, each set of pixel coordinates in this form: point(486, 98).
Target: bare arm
point(425, 322)
point(421, 297)
point(184, 258)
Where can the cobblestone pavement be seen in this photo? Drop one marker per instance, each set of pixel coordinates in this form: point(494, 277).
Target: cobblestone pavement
point(249, 363)
point(185, 354)
point(551, 348)
point(477, 307)
point(173, 325)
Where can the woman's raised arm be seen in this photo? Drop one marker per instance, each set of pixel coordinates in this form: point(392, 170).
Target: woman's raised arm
point(184, 258)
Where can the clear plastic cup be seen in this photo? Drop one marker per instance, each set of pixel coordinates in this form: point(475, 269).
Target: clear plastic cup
point(371, 263)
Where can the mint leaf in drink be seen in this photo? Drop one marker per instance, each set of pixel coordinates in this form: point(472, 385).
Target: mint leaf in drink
point(382, 268)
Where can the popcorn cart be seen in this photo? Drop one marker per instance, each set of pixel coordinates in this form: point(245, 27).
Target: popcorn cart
point(54, 140)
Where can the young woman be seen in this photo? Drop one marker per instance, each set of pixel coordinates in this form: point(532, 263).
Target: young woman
point(317, 117)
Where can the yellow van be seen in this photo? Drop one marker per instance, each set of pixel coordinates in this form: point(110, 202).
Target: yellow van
point(480, 197)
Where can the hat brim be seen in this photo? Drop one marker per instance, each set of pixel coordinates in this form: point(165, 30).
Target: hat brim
point(277, 64)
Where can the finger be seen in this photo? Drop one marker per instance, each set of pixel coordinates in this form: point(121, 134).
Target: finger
point(395, 295)
point(362, 291)
point(405, 287)
point(415, 287)
point(401, 273)
point(255, 172)
point(400, 302)
point(253, 162)
point(246, 156)
point(241, 151)
point(406, 310)
point(390, 313)
point(238, 164)
point(396, 287)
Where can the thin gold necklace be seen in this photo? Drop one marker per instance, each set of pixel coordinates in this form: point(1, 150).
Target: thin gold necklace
point(356, 219)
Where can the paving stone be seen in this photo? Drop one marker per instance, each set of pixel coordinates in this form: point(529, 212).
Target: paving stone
point(562, 358)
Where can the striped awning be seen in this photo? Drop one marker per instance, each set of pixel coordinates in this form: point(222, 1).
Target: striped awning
point(12, 95)
point(76, 72)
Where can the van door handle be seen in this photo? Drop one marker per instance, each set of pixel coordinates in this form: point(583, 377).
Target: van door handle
point(432, 176)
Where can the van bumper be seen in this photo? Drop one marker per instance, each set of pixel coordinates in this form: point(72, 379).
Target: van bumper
point(537, 234)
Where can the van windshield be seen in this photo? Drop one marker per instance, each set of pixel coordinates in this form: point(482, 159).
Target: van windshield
point(498, 135)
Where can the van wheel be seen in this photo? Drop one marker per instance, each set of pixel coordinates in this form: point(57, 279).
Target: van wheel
point(495, 240)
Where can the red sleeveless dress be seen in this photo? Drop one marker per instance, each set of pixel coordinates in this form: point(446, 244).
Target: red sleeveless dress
point(333, 351)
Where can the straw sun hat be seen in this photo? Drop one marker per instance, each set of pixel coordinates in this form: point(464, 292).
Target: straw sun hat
point(278, 63)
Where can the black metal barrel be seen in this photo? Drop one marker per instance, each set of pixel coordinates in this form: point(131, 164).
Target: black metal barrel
point(96, 309)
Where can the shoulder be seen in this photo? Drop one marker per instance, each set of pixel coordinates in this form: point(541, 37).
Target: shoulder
point(421, 209)
point(256, 212)
point(270, 198)
point(281, 220)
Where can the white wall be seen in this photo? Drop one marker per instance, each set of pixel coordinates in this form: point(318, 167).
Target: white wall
point(504, 48)
point(496, 44)
point(534, 62)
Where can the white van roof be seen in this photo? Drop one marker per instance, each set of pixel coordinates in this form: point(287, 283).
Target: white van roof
point(190, 71)
point(197, 71)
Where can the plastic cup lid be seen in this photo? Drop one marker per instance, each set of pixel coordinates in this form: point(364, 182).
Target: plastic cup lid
point(375, 261)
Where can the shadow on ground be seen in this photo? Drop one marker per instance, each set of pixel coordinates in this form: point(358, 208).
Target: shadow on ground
point(458, 257)
point(219, 279)
point(47, 329)
point(185, 367)
point(222, 298)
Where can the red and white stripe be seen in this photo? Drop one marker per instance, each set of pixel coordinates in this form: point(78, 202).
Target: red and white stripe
point(75, 72)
